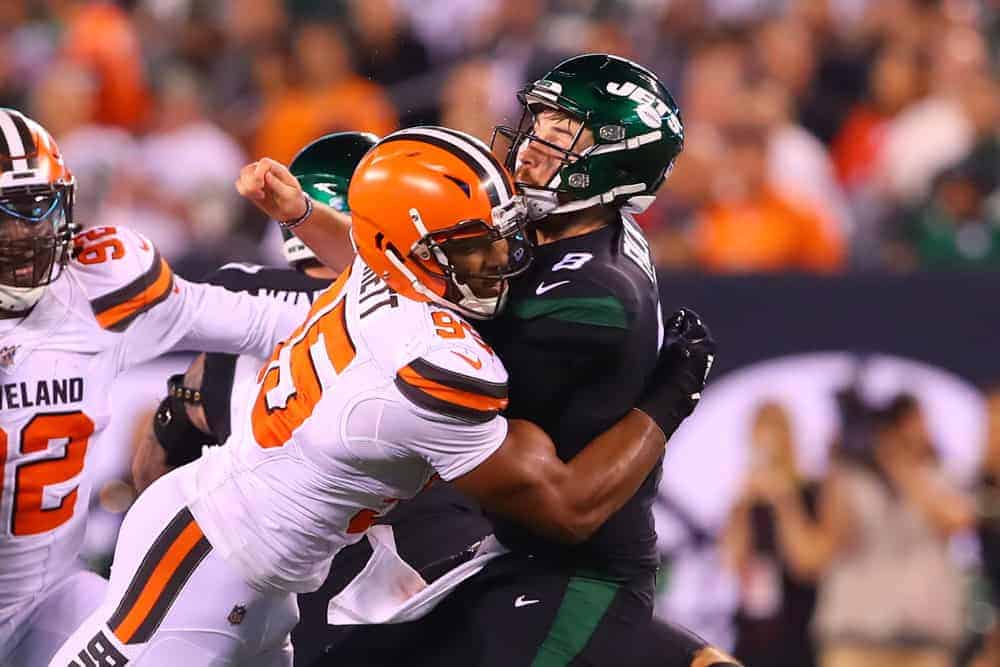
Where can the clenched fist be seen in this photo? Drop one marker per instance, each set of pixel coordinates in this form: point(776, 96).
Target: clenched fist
point(272, 188)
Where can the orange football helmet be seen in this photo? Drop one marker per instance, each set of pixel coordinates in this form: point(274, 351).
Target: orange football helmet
point(36, 211)
point(427, 199)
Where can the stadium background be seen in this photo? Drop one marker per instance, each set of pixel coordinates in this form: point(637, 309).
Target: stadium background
point(835, 214)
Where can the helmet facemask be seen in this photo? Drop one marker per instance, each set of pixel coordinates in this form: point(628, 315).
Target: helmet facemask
point(476, 259)
point(35, 240)
point(542, 199)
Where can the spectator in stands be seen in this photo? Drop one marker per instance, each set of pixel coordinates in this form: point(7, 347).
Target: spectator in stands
point(517, 37)
point(778, 593)
point(988, 523)
point(103, 156)
point(894, 82)
point(716, 68)
point(939, 130)
point(28, 45)
point(101, 36)
point(798, 164)
point(184, 175)
point(751, 226)
point(328, 96)
point(388, 52)
point(252, 67)
point(473, 99)
point(958, 225)
point(957, 228)
point(889, 594)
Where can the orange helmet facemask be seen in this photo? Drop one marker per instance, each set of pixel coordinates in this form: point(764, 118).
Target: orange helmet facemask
point(36, 211)
point(436, 216)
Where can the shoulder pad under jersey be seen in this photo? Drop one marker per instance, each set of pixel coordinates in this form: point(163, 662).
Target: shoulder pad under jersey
point(122, 274)
point(456, 374)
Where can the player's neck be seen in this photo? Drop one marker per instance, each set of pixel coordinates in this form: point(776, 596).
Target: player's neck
point(567, 225)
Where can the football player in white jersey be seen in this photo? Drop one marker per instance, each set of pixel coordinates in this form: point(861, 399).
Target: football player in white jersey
point(74, 313)
point(197, 409)
point(384, 387)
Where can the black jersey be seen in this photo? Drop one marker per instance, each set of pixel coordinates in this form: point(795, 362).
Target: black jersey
point(286, 285)
point(580, 337)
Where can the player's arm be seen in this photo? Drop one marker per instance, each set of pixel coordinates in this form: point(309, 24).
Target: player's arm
point(178, 430)
point(526, 480)
point(450, 417)
point(275, 191)
point(209, 318)
point(180, 427)
point(133, 292)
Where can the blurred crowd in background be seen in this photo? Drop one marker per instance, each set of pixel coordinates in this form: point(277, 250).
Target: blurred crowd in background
point(857, 568)
point(822, 135)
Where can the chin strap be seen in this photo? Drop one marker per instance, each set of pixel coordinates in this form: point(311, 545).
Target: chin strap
point(19, 299)
point(543, 202)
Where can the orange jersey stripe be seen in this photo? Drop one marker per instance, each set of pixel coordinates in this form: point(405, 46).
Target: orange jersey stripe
point(118, 314)
point(157, 581)
point(461, 397)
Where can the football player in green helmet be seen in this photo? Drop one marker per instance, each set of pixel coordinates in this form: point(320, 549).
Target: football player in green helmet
point(580, 336)
point(323, 169)
point(596, 131)
point(196, 410)
point(583, 327)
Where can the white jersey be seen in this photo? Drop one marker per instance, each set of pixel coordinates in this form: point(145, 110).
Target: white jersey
point(369, 400)
point(117, 304)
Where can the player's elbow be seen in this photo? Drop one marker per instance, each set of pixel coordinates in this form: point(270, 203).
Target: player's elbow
point(569, 520)
point(578, 527)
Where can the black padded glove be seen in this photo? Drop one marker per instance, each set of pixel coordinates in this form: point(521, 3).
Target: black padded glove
point(681, 372)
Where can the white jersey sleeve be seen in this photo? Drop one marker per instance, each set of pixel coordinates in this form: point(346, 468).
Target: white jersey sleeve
point(449, 414)
point(133, 291)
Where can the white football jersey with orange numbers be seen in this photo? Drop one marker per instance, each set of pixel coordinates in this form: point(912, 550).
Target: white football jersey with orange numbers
point(116, 304)
point(369, 400)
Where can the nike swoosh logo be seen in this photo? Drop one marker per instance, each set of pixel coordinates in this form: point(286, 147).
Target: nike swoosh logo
point(522, 602)
point(475, 363)
point(543, 288)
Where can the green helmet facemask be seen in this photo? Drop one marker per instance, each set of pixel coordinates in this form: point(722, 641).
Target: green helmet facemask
point(324, 169)
point(635, 123)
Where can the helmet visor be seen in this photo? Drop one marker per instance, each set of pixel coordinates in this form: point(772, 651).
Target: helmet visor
point(33, 239)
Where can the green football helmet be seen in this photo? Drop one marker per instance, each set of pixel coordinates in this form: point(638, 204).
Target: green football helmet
point(324, 169)
point(637, 129)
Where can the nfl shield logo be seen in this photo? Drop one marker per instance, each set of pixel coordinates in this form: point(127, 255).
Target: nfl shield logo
point(236, 615)
point(7, 353)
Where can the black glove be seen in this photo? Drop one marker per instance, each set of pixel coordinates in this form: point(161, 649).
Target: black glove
point(685, 361)
point(181, 440)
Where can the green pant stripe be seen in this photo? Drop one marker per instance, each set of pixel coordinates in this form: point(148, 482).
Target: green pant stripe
point(583, 606)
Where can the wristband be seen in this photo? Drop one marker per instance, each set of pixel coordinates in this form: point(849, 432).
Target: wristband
point(289, 225)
